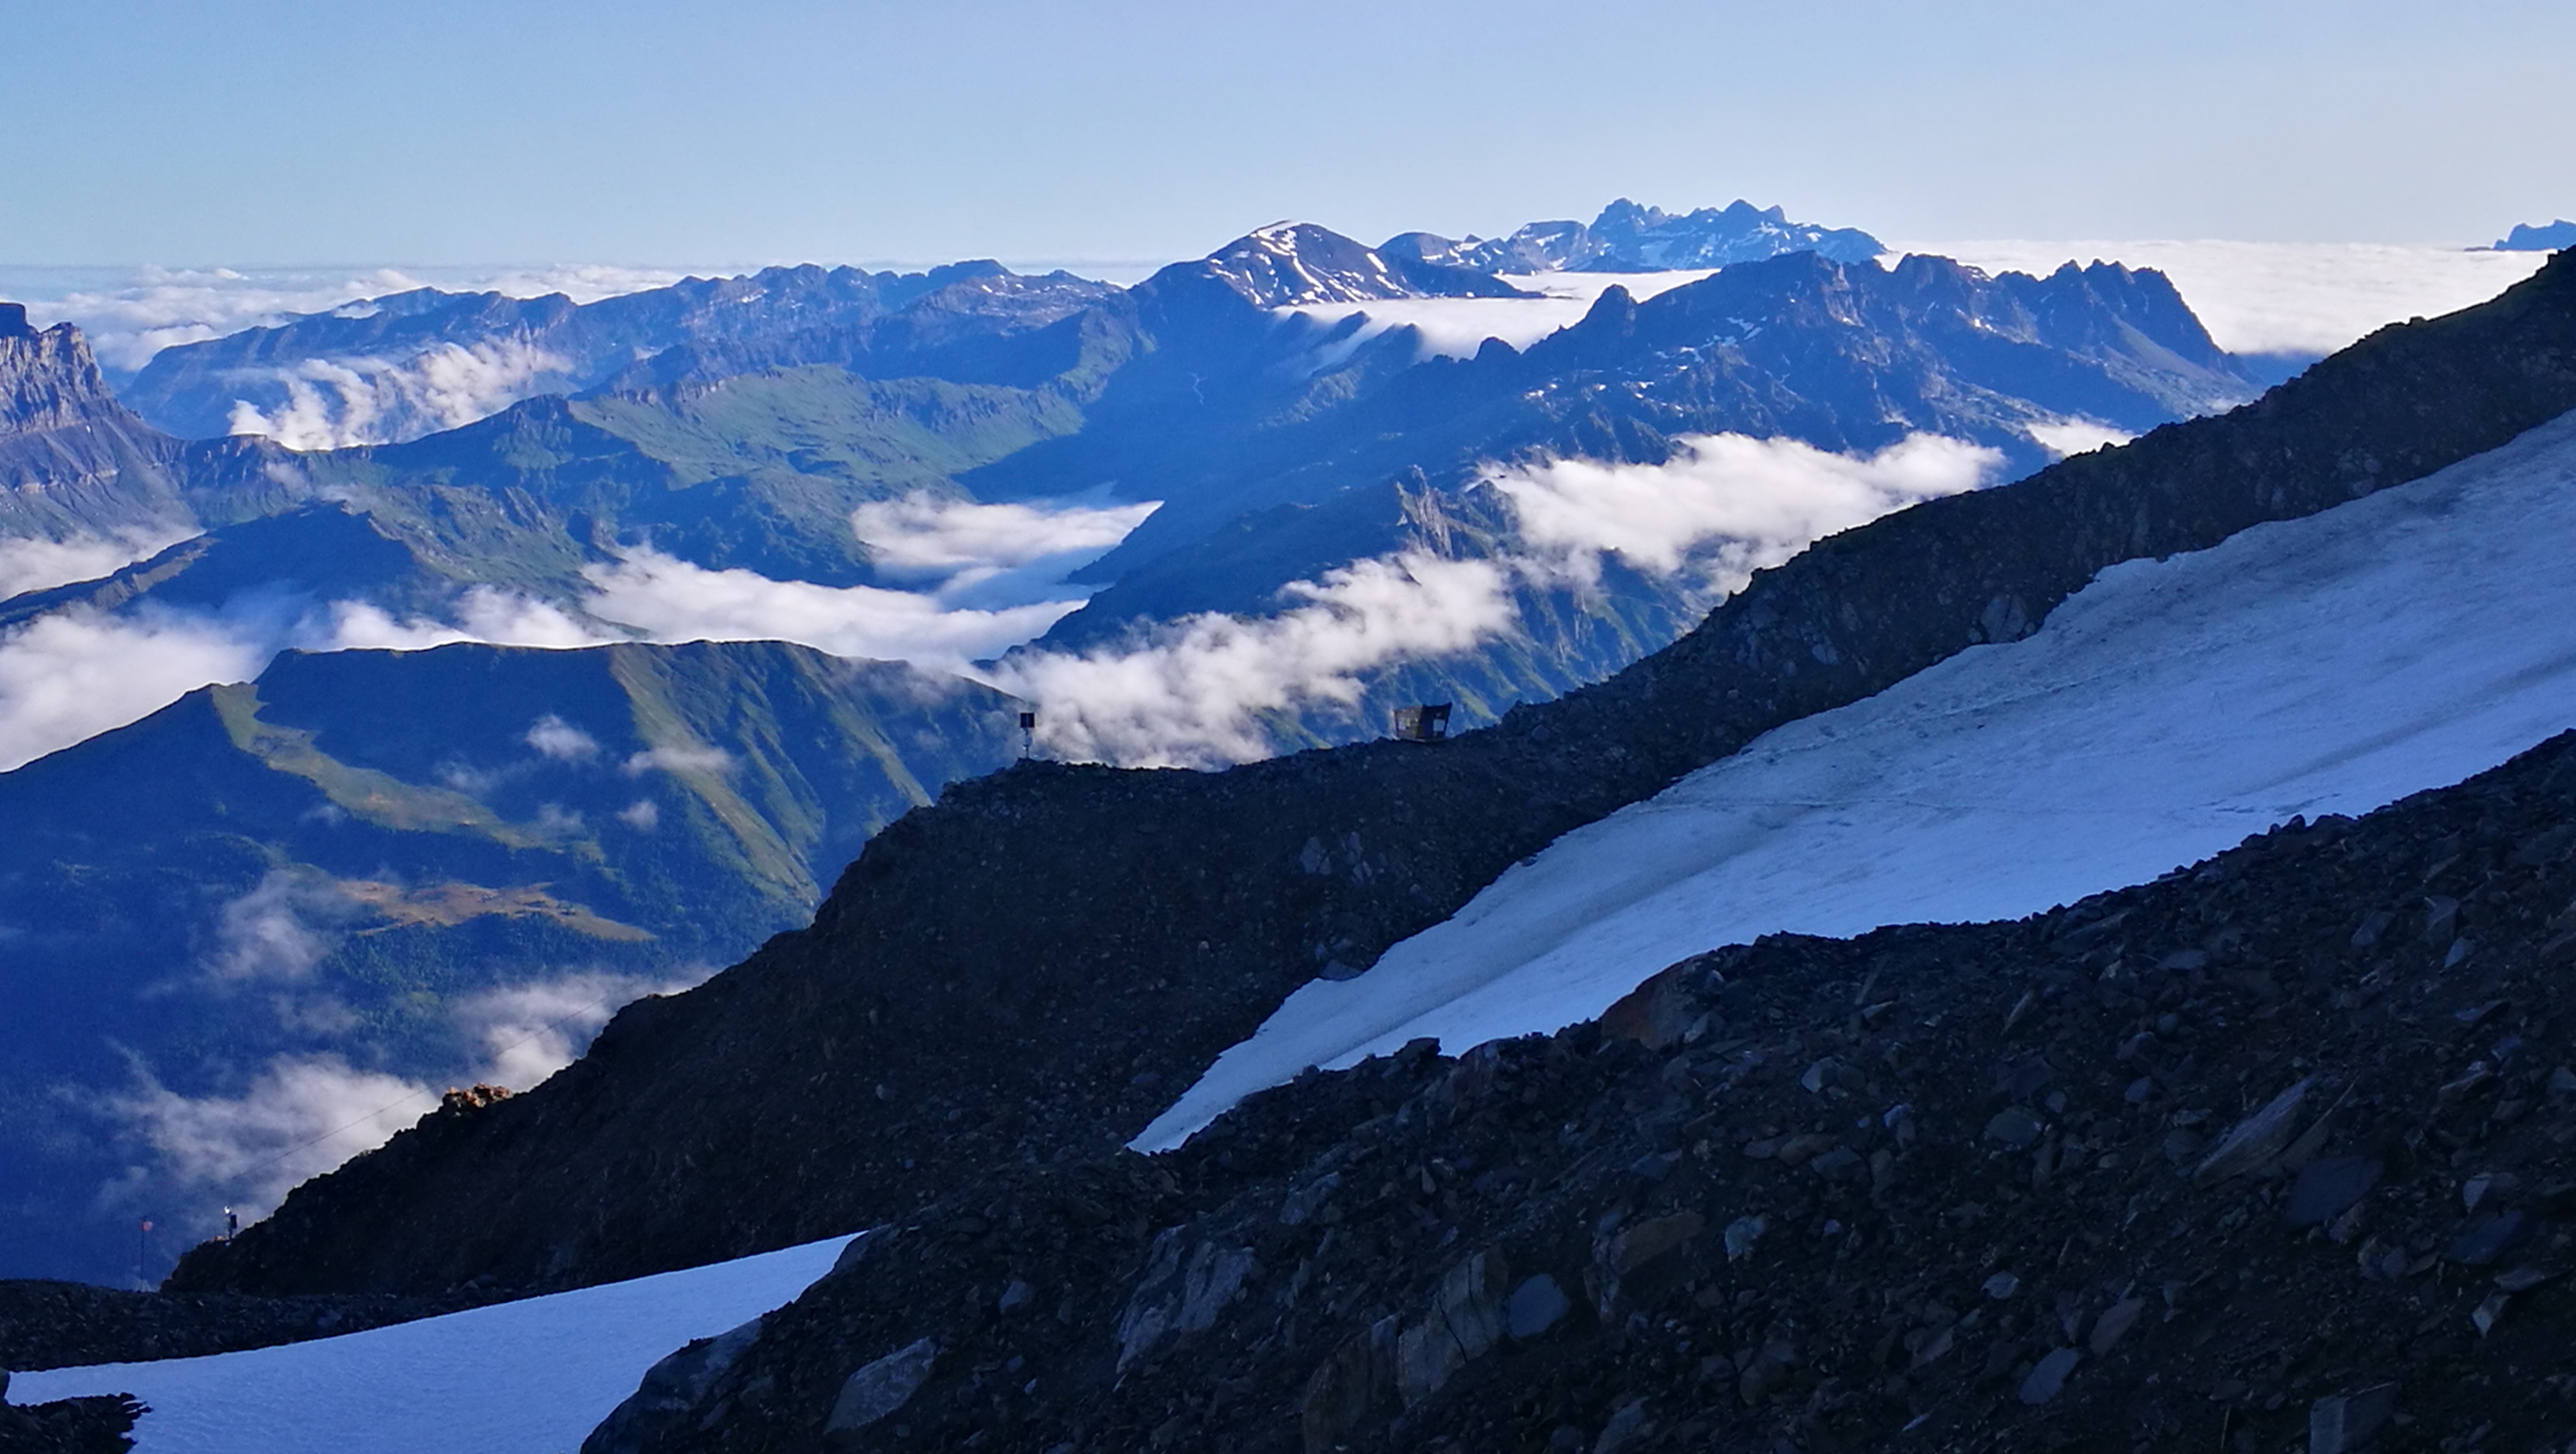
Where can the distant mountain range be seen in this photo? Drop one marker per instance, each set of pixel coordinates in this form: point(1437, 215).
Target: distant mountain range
point(2543, 237)
point(815, 453)
point(266, 909)
point(1627, 238)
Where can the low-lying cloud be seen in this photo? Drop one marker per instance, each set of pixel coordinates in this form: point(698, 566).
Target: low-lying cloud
point(72, 674)
point(1192, 692)
point(668, 599)
point(1727, 504)
point(31, 564)
point(279, 931)
point(524, 1033)
point(304, 1113)
point(555, 738)
point(335, 403)
point(130, 315)
point(299, 1117)
point(990, 555)
point(1195, 692)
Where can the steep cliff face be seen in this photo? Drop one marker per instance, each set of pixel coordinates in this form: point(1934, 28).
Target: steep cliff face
point(1036, 964)
point(72, 459)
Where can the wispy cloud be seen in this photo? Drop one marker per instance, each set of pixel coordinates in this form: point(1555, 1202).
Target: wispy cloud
point(279, 931)
point(991, 555)
point(334, 403)
point(555, 738)
point(1191, 692)
point(1726, 505)
point(524, 1033)
point(30, 564)
point(130, 315)
point(1194, 692)
point(72, 674)
point(677, 759)
point(672, 600)
point(301, 1114)
point(299, 1117)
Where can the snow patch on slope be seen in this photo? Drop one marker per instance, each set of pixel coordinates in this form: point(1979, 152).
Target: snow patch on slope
point(530, 1377)
point(2327, 665)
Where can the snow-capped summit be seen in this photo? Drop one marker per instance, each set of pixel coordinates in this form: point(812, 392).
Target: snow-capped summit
point(1294, 264)
point(1627, 237)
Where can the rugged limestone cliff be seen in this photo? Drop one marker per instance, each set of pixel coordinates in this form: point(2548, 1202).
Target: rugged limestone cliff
point(1032, 967)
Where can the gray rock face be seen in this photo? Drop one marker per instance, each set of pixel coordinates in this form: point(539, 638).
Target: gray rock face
point(2346, 1421)
point(2046, 1379)
point(1181, 1293)
point(2326, 1188)
point(2257, 1139)
point(880, 1388)
point(660, 1407)
point(1535, 1306)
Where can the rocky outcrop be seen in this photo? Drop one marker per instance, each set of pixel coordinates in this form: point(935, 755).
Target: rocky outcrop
point(72, 459)
point(2273, 1149)
point(1032, 968)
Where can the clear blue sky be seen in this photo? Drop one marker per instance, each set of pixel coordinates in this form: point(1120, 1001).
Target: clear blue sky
point(279, 131)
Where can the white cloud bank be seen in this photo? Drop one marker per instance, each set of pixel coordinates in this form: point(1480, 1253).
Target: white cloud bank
point(991, 555)
point(334, 403)
point(668, 599)
point(1727, 503)
point(72, 674)
point(28, 563)
point(132, 314)
point(1193, 692)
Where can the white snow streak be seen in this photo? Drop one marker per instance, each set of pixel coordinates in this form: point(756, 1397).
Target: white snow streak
point(530, 1377)
point(2327, 665)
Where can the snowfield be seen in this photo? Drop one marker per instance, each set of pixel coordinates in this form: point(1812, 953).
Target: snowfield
point(532, 1377)
point(2327, 665)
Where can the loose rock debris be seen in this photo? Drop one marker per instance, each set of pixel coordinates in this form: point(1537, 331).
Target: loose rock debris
point(2249, 1170)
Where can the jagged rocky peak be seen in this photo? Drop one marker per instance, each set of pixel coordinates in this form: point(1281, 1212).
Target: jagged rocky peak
point(2543, 237)
point(1290, 264)
point(1627, 237)
point(48, 378)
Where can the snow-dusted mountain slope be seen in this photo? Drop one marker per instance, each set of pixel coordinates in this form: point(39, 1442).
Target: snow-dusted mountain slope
point(2325, 665)
point(530, 1377)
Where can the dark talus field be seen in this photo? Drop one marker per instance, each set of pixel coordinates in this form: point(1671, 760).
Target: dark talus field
point(371, 868)
point(1030, 969)
point(2202, 1163)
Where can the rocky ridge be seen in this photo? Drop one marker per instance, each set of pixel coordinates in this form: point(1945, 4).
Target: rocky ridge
point(1629, 238)
point(1028, 970)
